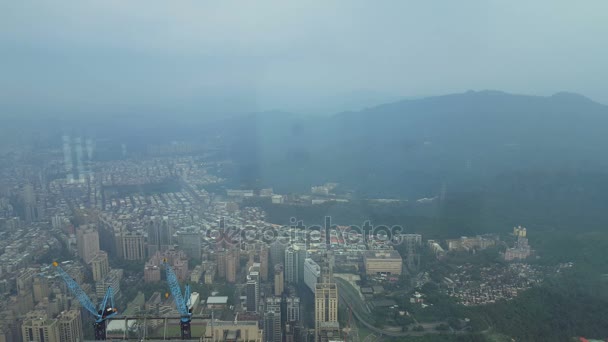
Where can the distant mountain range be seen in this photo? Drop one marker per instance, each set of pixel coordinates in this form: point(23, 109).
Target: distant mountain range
point(415, 147)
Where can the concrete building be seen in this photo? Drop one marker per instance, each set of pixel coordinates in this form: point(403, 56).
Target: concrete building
point(133, 246)
point(100, 265)
point(312, 273)
point(388, 261)
point(277, 253)
point(279, 286)
point(217, 302)
point(253, 289)
point(232, 264)
point(151, 273)
point(197, 274)
point(470, 243)
point(159, 234)
point(264, 262)
point(189, 241)
point(70, 326)
point(210, 273)
point(411, 240)
point(294, 263)
point(293, 309)
point(87, 242)
point(38, 327)
point(326, 310)
point(41, 289)
point(272, 320)
point(221, 263)
point(521, 250)
point(112, 279)
point(234, 331)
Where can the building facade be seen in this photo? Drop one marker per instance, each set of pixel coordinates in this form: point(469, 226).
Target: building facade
point(133, 246)
point(70, 326)
point(389, 262)
point(326, 310)
point(293, 309)
point(279, 286)
point(312, 273)
point(272, 320)
point(38, 327)
point(189, 241)
point(87, 242)
point(100, 265)
point(159, 234)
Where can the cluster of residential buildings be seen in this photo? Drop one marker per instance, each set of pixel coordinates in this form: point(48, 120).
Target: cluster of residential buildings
point(521, 250)
point(473, 285)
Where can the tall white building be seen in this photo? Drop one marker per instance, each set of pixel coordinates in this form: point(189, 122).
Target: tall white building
point(87, 242)
point(312, 272)
point(290, 266)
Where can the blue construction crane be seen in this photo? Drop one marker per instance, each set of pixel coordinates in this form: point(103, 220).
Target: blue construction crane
point(104, 311)
point(182, 302)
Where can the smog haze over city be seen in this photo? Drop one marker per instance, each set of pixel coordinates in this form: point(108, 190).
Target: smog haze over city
point(295, 171)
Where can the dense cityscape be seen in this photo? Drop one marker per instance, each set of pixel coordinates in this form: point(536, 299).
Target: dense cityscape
point(132, 224)
point(303, 171)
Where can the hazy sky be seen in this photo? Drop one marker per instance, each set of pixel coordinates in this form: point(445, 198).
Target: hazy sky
point(205, 56)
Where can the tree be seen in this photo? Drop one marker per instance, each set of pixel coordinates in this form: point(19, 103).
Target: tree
point(454, 323)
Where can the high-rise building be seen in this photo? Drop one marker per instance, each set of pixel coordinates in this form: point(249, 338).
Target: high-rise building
point(272, 320)
point(293, 309)
point(253, 289)
point(29, 202)
point(312, 273)
point(189, 241)
point(326, 311)
point(522, 249)
point(277, 253)
point(159, 234)
point(133, 246)
point(279, 286)
point(221, 263)
point(210, 273)
point(412, 245)
point(25, 279)
point(294, 263)
point(301, 253)
point(180, 266)
point(112, 279)
point(292, 332)
point(38, 327)
point(232, 263)
point(291, 266)
point(151, 273)
point(264, 251)
point(100, 265)
point(70, 326)
point(41, 289)
point(87, 241)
